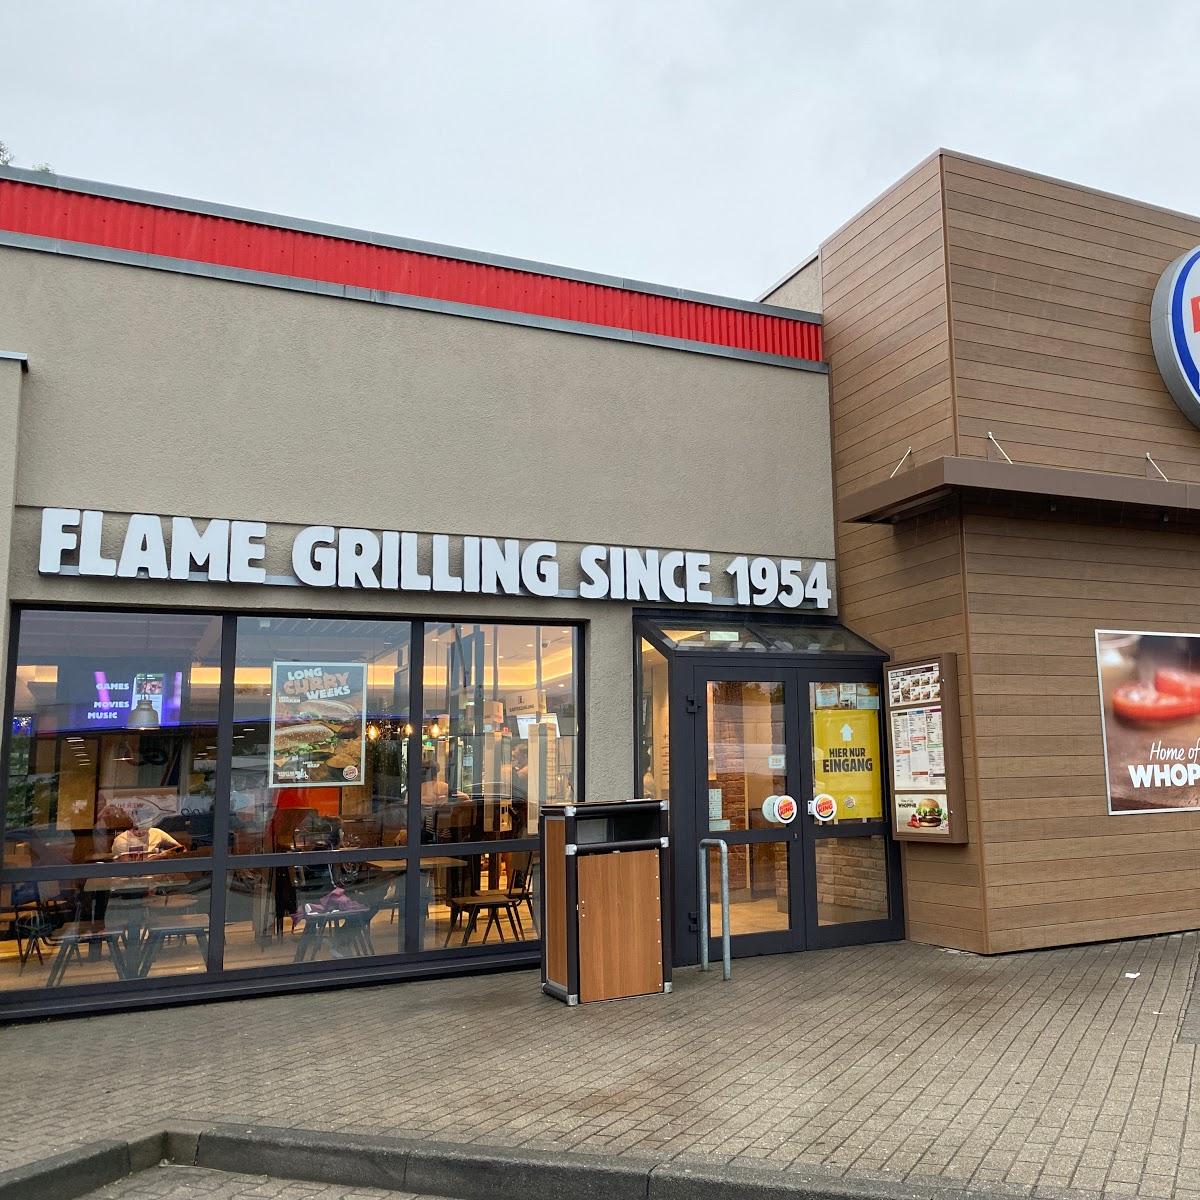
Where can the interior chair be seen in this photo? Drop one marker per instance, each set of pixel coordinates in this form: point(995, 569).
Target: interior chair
point(506, 902)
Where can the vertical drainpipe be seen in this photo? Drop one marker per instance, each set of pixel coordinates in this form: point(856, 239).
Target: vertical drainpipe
point(13, 368)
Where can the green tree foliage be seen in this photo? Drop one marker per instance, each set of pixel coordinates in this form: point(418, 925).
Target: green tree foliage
point(6, 157)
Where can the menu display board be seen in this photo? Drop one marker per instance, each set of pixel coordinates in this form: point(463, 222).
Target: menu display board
point(926, 755)
point(318, 726)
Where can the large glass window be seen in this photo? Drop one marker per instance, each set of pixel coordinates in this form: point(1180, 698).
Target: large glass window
point(321, 735)
point(499, 729)
point(103, 928)
point(126, 757)
point(113, 741)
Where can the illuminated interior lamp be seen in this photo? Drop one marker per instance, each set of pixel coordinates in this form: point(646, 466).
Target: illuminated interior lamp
point(435, 730)
point(408, 730)
point(143, 716)
point(373, 732)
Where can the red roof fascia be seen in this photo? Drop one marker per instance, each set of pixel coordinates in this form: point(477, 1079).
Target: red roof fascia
point(51, 212)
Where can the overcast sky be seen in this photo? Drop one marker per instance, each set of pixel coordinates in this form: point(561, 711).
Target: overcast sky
point(703, 143)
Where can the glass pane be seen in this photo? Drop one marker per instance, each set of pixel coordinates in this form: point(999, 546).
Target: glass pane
point(851, 880)
point(655, 720)
point(479, 899)
point(297, 914)
point(747, 754)
point(845, 749)
point(758, 889)
point(498, 731)
point(759, 638)
point(114, 749)
point(321, 735)
point(62, 932)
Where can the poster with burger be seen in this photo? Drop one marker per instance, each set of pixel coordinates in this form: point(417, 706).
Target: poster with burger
point(923, 814)
point(318, 727)
point(1150, 705)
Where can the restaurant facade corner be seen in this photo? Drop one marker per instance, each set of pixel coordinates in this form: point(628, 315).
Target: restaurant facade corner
point(336, 560)
point(1013, 390)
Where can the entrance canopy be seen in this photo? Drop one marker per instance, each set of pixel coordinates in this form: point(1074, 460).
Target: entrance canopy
point(745, 635)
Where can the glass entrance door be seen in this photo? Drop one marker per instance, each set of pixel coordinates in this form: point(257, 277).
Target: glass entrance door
point(750, 775)
point(762, 741)
point(851, 864)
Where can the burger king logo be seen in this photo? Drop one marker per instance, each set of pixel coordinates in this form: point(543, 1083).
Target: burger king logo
point(824, 807)
point(1175, 332)
point(780, 810)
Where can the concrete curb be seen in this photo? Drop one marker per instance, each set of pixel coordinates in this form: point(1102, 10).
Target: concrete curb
point(435, 1169)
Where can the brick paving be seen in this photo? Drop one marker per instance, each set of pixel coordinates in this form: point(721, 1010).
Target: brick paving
point(196, 1183)
point(1048, 1074)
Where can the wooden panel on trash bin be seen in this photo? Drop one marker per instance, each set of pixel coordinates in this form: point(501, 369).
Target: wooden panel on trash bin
point(620, 925)
point(555, 868)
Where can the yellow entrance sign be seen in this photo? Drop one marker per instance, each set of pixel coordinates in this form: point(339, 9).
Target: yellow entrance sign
point(846, 761)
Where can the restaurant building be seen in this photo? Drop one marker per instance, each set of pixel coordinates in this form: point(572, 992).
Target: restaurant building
point(334, 558)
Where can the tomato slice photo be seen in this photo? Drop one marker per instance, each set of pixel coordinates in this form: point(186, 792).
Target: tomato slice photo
point(1175, 682)
point(1145, 703)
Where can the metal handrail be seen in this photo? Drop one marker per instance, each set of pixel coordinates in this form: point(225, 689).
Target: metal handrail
point(726, 969)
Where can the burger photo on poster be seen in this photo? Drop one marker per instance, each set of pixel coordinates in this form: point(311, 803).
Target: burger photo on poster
point(928, 814)
point(1149, 684)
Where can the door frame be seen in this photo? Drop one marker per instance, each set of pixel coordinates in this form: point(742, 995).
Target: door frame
point(796, 671)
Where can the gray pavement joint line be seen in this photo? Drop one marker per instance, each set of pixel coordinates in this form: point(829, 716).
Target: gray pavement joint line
point(465, 1172)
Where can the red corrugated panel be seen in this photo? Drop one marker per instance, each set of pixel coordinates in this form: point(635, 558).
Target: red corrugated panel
point(127, 225)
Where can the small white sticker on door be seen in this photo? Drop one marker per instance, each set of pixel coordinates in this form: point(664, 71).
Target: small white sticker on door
point(776, 762)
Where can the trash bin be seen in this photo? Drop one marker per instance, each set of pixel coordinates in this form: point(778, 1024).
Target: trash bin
point(604, 900)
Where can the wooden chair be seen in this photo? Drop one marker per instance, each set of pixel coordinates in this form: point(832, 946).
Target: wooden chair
point(505, 902)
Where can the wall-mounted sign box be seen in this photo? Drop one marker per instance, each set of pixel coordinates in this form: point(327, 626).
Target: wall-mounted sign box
point(928, 802)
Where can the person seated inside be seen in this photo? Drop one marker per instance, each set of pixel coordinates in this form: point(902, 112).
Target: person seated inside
point(433, 789)
point(134, 844)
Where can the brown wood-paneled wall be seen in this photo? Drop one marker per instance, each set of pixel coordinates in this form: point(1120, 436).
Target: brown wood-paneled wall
point(884, 300)
point(1050, 288)
point(973, 297)
point(1039, 583)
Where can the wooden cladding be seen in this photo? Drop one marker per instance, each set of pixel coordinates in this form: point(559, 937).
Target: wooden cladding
point(883, 281)
point(1050, 288)
point(973, 298)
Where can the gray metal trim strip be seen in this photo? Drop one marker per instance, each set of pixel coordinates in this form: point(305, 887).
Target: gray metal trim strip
point(182, 266)
point(15, 356)
point(111, 191)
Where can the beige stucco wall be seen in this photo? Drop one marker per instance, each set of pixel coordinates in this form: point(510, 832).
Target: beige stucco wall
point(209, 397)
point(800, 290)
point(164, 393)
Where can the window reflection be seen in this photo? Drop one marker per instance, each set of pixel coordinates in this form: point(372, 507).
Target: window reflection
point(479, 899)
point(321, 735)
point(104, 929)
point(114, 747)
point(654, 719)
point(499, 729)
point(311, 913)
point(851, 880)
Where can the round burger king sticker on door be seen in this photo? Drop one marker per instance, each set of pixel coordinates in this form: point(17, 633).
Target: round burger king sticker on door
point(1175, 332)
point(824, 807)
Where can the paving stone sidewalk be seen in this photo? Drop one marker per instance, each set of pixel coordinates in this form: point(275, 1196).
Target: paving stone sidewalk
point(196, 1183)
point(1048, 1074)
